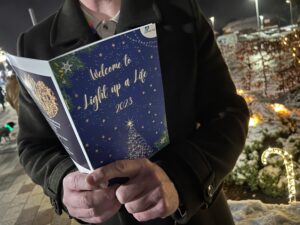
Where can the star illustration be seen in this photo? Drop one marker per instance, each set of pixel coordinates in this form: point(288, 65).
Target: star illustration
point(130, 123)
point(163, 140)
point(67, 67)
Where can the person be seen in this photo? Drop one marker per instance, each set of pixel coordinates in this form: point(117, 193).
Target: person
point(2, 98)
point(12, 92)
point(207, 120)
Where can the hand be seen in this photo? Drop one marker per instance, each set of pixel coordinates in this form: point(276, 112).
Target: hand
point(148, 194)
point(87, 200)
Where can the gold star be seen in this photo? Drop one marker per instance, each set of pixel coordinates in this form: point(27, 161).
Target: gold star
point(130, 123)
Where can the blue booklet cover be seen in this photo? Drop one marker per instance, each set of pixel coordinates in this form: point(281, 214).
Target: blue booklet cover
point(105, 101)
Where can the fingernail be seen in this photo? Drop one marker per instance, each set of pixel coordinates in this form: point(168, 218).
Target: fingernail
point(91, 179)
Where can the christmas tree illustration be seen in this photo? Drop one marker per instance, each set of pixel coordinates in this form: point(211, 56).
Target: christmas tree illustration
point(163, 140)
point(137, 145)
point(64, 68)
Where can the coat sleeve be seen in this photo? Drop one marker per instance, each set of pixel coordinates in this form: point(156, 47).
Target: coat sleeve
point(199, 163)
point(41, 154)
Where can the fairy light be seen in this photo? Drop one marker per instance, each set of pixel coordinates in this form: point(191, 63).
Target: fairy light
point(248, 99)
point(255, 119)
point(288, 163)
point(280, 109)
point(240, 92)
point(291, 43)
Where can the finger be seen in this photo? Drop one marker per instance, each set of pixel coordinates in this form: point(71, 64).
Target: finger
point(160, 210)
point(133, 189)
point(76, 181)
point(144, 203)
point(94, 212)
point(120, 168)
point(89, 199)
point(97, 179)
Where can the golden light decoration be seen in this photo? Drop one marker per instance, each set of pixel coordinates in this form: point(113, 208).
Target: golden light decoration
point(291, 43)
point(288, 163)
point(255, 119)
point(247, 98)
point(46, 99)
point(280, 109)
point(240, 91)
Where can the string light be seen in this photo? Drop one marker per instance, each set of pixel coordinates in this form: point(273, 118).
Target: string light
point(255, 119)
point(280, 109)
point(247, 97)
point(291, 42)
point(288, 163)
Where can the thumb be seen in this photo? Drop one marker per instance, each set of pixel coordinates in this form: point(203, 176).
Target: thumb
point(94, 180)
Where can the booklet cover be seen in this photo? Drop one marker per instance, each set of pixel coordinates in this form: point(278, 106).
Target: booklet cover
point(105, 100)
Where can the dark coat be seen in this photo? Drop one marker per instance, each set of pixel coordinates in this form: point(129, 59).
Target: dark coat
point(198, 89)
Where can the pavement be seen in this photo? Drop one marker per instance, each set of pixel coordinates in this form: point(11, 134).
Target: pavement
point(21, 201)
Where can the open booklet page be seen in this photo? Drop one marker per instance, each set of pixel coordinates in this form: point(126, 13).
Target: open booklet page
point(108, 96)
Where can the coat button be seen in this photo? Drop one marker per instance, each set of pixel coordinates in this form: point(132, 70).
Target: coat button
point(210, 191)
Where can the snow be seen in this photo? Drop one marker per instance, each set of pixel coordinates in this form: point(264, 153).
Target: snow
point(266, 70)
point(254, 212)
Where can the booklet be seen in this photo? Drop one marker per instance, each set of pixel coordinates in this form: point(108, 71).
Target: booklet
point(105, 100)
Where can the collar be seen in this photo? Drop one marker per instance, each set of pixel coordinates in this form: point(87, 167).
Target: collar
point(136, 13)
point(70, 25)
point(116, 17)
point(92, 20)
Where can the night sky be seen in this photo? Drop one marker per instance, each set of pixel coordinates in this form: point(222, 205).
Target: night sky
point(14, 17)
